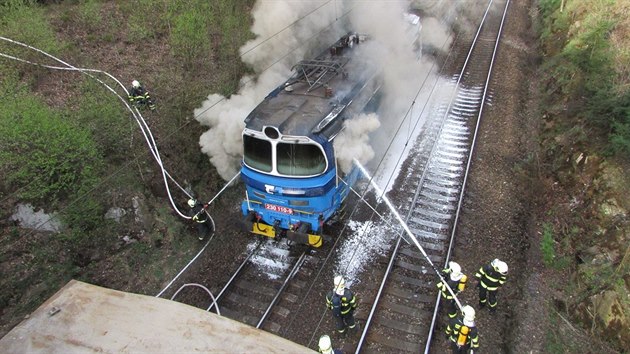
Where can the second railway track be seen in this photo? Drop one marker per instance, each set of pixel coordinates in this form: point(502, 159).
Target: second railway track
point(402, 317)
point(398, 312)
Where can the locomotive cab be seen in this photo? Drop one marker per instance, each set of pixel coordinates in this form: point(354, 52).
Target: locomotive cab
point(289, 167)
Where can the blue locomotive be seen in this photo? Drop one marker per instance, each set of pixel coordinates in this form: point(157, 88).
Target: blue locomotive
point(289, 167)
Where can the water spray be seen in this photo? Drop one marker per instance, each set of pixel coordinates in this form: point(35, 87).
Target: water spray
point(381, 196)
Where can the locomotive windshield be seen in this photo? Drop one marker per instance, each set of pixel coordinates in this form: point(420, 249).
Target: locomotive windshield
point(257, 153)
point(291, 159)
point(300, 159)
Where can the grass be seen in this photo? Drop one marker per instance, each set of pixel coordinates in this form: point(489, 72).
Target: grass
point(547, 245)
point(549, 248)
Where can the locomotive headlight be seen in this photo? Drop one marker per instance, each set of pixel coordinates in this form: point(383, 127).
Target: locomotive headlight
point(291, 191)
point(298, 203)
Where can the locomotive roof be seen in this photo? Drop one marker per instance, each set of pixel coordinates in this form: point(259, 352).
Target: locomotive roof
point(313, 99)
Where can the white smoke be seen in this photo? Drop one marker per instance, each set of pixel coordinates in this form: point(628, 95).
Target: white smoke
point(354, 141)
point(275, 50)
point(393, 51)
point(286, 32)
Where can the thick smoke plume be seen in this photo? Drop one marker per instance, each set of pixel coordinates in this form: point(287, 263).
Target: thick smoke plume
point(354, 141)
point(288, 31)
point(272, 54)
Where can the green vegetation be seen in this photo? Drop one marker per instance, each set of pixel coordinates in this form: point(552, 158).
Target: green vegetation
point(189, 35)
point(25, 21)
point(69, 145)
point(550, 249)
point(585, 140)
point(44, 155)
point(546, 245)
point(587, 44)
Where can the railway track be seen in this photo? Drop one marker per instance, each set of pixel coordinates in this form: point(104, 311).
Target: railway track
point(266, 285)
point(403, 314)
point(272, 288)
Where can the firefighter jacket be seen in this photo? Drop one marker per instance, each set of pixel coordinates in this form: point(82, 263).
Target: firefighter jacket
point(199, 214)
point(455, 285)
point(138, 94)
point(462, 335)
point(489, 278)
point(341, 305)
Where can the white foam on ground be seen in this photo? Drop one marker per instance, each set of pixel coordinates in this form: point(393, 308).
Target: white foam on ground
point(271, 267)
point(356, 253)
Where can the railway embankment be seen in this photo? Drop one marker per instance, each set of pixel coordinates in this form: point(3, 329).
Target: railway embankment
point(583, 207)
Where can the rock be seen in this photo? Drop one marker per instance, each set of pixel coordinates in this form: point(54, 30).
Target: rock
point(609, 313)
point(115, 214)
point(128, 240)
point(141, 213)
point(28, 218)
point(611, 209)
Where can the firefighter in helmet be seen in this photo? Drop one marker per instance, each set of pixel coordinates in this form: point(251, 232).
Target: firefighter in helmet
point(201, 218)
point(462, 332)
point(491, 277)
point(139, 96)
point(342, 302)
point(325, 346)
point(456, 280)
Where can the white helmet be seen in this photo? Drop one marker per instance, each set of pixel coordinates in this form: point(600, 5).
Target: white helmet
point(191, 203)
point(469, 315)
point(325, 345)
point(135, 83)
point(499, 266)
point(456, 270)
point(340, 285)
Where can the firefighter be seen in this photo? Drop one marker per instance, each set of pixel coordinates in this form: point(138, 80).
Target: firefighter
point(462, 332)
point(456, 280)
point(491, 277)
point(139, 96)
point(342, 302)
point(325, 346)
point(201, 218)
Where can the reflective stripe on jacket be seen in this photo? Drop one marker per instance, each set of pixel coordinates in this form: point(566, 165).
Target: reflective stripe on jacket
point(199, 214)
point(489, 278)
point(454, 328)
point(341, 305)
point(455, 285)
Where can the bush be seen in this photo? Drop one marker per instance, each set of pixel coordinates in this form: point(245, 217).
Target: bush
point(42, 153)
point(25, 21)
point(189, 37)
point(588, 68)
point(107, 119)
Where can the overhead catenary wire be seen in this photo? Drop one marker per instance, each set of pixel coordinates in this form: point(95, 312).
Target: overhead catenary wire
point(242, 84)
point(154, 152)
point(408, 112)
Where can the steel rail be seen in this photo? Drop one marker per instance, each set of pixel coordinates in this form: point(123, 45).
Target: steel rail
point(294, 270)
point(236, 274)
point(467, 170)
point(417, 193)
point(423, 176)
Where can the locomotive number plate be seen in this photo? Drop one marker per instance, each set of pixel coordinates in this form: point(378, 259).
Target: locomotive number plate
point(278, 208)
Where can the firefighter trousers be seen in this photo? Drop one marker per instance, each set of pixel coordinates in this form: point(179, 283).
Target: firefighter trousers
point(204, 229)
point(488, 297)
point(345, 321)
